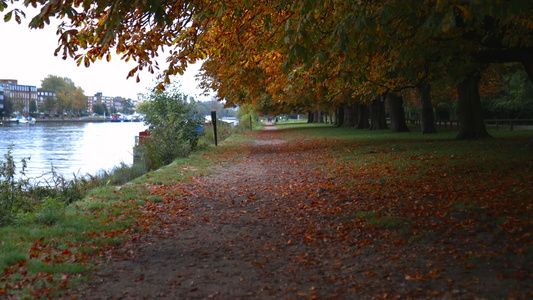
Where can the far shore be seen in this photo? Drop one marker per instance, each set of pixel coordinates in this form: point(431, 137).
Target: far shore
point(76, 119)
point(65, 119)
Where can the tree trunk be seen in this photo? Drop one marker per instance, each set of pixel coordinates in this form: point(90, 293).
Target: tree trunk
point(397, 113)
point(362, 116)
point(310, 117)
point(339, 115)
point(378, 119)
point(471, 121)
point(427, 116)
point(349, 116)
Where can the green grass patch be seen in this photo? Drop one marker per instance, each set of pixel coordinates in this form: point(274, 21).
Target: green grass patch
point(36, 266)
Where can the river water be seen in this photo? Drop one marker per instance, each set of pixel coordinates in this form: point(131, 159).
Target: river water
point(73, 149)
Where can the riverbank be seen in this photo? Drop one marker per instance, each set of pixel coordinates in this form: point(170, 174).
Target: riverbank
point(66, 119)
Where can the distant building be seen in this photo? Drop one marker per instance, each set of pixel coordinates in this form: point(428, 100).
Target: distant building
point(98, 98)
point(112, 103)
point(19, 95)
point(1, 98)
point(118, 103)
point(43, 95)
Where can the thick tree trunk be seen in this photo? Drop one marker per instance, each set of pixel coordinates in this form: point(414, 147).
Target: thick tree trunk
point(471, 121)
point(397, 113)
point(321, 116)
point(427, 116)
point(362, 116)
point(349, 116)
point(310, 117)
point(339, 116)
point(378, 119)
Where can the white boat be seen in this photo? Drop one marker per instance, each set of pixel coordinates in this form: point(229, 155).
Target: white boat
point(136, 118)
point(22, 120)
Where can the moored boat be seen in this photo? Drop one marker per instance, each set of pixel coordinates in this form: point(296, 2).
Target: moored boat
point(116, 117)
point(22, 120)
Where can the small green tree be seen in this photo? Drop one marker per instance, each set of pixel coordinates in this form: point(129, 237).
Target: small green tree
point(142, 107)
point(98, 109)
point(11, 188)
point(49, 104)
point(174, 125)
point(33, 106)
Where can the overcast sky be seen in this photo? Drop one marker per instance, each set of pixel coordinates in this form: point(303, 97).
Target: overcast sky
point(28, 56)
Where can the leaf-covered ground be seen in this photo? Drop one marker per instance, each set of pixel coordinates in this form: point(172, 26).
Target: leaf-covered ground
point(289, 216)
point(304, 218)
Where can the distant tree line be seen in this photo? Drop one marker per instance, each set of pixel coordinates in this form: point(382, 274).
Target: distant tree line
point(205, 108)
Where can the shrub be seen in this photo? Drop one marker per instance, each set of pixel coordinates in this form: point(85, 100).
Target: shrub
point(224, 130)
point(48, 212)
point(12, 195)
point(174, 127)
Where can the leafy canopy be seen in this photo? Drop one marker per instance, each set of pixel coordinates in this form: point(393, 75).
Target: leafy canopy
point(287, 55)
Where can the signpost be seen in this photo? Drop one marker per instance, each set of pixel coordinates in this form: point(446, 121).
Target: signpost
point(214, 121)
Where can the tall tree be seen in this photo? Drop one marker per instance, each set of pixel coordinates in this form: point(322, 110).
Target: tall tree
point(427, 115)
point(69, 97)
point(79, 101)
point(397, 113)
point(33, 106)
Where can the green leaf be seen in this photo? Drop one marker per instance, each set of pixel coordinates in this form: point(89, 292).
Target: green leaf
point(7, 17)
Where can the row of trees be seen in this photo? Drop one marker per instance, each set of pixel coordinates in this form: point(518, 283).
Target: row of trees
point(68, 98)
point(203, 108)
point(310, 55)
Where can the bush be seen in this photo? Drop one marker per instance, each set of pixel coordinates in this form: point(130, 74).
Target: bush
point(224, 130)
point(174, 127)
point(244, 120)
point(48, 212)
point(67, 190)
point(12, 195)
point(24, 201)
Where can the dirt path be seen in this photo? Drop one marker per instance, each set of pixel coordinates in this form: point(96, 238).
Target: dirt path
point(234, 243)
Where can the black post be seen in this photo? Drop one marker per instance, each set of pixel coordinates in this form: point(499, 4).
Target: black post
point(214, 121)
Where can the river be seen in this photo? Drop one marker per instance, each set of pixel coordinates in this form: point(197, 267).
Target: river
point(72, 148)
